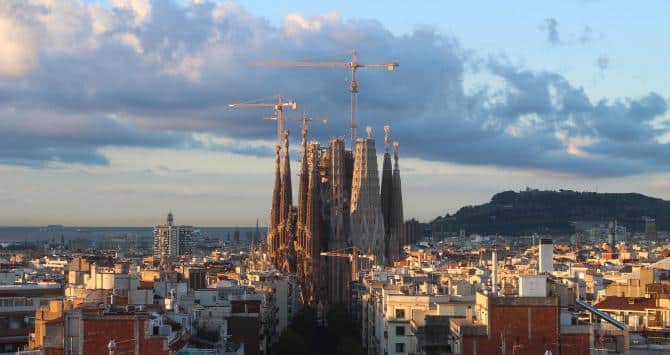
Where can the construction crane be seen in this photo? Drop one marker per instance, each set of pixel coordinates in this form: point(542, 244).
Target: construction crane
point(353, 254)
point(353, 66)
point(304, 119)
point(278, 112)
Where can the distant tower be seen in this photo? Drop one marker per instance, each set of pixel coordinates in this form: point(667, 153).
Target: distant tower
point(367, 222)
point(611, 236)
point(650, 228)
point(546, 257)
point(170, 219)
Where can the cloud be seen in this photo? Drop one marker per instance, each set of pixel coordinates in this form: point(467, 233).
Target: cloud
point(603, 62)
point(586, 35)
point(589, 35)
point(18, 53)
point(550, 26)
point(43, 137)
point(161, 73)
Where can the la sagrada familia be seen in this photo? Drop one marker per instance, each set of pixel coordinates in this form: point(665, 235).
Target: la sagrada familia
point(341, 217)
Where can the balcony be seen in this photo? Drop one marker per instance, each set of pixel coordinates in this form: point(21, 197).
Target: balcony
point(10, 305)
point(11, 333)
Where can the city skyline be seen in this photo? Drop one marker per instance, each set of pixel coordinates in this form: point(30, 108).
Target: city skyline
point(114, 113)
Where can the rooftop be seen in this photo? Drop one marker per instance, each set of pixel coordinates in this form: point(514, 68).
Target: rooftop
point(626, 303)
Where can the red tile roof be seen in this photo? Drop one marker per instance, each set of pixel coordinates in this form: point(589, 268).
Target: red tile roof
point(626, 303)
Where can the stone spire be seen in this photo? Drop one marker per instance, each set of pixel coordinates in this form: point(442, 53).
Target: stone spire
point(286, 188)
point(304, 180)
point(276, 194)
point(312, 228)
point(387, 190)
point(367, 222)
point(397, 219)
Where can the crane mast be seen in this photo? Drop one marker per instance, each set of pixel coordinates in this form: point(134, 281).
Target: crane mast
point(352, 65)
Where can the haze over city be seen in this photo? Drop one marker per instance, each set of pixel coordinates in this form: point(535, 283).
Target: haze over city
point(114, 112)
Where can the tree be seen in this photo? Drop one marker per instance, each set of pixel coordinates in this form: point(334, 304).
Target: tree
point(348, 345)
point(291, 343)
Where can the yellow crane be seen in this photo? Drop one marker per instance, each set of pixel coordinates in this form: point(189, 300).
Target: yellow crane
point(353, 254)
point(352, 65)
point(278, 111)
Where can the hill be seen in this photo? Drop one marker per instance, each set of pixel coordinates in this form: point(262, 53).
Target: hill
point(535, 211)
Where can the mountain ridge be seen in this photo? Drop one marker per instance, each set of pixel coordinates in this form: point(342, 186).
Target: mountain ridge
point(554, 212)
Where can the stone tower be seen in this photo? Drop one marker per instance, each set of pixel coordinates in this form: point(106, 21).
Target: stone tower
point(337, 168)
point(273, 233)
point(386, 194)
point(287, 215)
point(367, 222)
point(397, 223)
point(309, 222)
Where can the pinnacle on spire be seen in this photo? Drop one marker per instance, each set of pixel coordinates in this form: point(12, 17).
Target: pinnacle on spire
point(387, 137)
point(369, 132)
point(286, 191)
point(276, 195)
point(395, 151)
point(305, 129)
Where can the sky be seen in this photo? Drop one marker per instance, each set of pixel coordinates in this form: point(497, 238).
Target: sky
point(115, 112)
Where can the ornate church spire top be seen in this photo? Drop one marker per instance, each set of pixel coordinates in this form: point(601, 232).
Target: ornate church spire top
point(395, 150)
point(387, 137)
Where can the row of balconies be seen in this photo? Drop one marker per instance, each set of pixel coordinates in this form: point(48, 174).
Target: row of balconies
point(17, 305)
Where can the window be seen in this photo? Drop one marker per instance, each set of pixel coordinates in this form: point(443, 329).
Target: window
point(399, 347)
point(399, 330)
point(400, 313)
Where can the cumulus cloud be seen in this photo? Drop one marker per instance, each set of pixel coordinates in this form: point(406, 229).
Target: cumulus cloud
point(161, 73)
point(18, 52)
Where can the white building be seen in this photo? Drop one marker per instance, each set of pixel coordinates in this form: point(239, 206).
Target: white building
point(546, 261)
point(171, 240)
